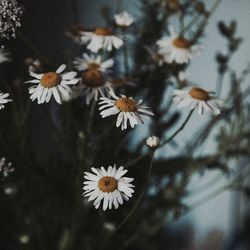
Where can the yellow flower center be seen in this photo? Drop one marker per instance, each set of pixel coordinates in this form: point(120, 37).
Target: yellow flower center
point(107, 184)
point(181, 43)
point(93, 66)
point(125, 104)
point(103, 32)
point(50, 80)
point(200, 94)
point(92, 78)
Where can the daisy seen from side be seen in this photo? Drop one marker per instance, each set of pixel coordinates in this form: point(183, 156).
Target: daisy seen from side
point(101, 38)
point(202, 100)
point(177, 49)
point(92, 62)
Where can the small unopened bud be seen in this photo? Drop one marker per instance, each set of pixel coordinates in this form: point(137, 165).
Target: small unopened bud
point(152, 141)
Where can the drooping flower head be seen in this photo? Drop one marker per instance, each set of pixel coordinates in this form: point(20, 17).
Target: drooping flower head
point(10, 15)
point(101, 38)
point(52, 83)
point(123, 19)
point(127, 109)
point(199, 98)
point(177, 48)
point(108, 186)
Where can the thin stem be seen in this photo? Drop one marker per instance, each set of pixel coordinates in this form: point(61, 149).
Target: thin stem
point(125, 55)
point(190, 24)
point(139, 198)
point(178, 130)
point(91, 116)
point(219, 84)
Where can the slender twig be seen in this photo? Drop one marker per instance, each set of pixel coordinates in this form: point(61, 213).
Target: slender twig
point(126, 58)
point(139, 198)
point(91, 116)
point(178, 130)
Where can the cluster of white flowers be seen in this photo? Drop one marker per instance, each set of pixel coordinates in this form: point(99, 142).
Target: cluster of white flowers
point(10, 15)
point(5, 167)
point(108, 186)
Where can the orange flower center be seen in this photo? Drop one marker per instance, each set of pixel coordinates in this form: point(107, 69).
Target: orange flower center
point(92, 78)
point(125, 104)
point(107, 184)
point(50, 80)
point(103, 32)
point(200, 94)
point(181, 43)
point(93, 66)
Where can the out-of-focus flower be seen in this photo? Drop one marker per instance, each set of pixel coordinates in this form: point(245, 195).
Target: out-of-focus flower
point(34, 65)
point(109, 226)
point(108, 186)
point(4, 99)
point(4, 55)
point(6, 168)
point(10, 14)
point(124, 19)
point(153, 141)
point(126, 108)
point(101, 38)
point(74, 32)
point(177, 48)
point(199, 98)
point(9, 189)
point(24, 238)
point(93, 85)
point(52, 83)
point(92, 62)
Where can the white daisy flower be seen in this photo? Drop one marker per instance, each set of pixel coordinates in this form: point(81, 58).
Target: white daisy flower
point(93, 85)
point(153, 141)
point(124, 19)
point(108, 186)
point(177, 49)
point(52, 83)
point(4, 55)
point(92, 62)
point(4, 99)
point(199, 98)
point(126, 108)
point(101, 38)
